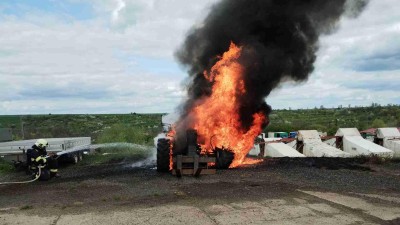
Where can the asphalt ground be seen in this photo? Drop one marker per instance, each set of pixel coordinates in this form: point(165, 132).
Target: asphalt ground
point(275, 191)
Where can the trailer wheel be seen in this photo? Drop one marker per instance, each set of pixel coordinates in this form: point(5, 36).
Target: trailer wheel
point(79, 154)
point(224, 158)
point(75, 158)
point(163, 149)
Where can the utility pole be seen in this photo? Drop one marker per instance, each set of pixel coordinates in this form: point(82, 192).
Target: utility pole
point(22, 128)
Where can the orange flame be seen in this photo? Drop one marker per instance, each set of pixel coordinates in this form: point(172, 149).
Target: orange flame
point(216, 117)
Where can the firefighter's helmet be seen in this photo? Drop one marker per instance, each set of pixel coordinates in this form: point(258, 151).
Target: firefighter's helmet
point(41, 143)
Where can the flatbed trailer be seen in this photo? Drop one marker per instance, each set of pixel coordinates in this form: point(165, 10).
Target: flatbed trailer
point(67, 149)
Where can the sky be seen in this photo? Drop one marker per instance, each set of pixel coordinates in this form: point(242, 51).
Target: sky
point(117, 56)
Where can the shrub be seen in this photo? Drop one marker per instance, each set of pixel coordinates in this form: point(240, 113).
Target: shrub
point(126, 133)
point(5, 166)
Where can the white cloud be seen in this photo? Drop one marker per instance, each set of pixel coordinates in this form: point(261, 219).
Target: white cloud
point(49, 65)
point(121, 60)
point(115, 14)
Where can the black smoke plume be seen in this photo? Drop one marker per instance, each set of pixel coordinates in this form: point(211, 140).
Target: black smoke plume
point(279, 40)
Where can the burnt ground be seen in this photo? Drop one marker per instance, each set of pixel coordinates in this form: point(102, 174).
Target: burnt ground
point(85, 189)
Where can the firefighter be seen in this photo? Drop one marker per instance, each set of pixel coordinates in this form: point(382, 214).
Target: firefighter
point(37, 156)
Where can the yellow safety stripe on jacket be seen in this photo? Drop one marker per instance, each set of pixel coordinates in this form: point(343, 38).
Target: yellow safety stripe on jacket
point(41, 158)
point(54, 170)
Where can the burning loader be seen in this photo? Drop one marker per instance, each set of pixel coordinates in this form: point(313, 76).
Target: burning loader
point(191, 159)
point(243, 50)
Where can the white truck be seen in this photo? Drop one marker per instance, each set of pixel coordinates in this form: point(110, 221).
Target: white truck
point(353, 143)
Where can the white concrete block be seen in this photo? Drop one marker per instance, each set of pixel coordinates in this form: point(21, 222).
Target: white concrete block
point(281, 150)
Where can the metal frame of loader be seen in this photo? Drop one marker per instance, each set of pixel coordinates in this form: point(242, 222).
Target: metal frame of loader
point(193, 165)
point(191, 161)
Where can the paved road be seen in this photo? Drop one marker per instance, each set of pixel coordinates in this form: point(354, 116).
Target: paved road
point(308, 207)
point(287, 191)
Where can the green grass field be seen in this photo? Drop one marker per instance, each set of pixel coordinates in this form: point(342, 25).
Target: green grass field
point(102, 128)
point(330, 120)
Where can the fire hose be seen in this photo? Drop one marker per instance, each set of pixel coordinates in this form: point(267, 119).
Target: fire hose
point(37, 176)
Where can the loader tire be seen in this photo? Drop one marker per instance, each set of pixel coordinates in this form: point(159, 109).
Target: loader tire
point(163, 148)
point(224, 158)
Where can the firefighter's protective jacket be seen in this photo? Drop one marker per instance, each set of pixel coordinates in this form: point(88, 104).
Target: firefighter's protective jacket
point(36, 156)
